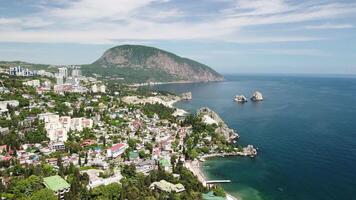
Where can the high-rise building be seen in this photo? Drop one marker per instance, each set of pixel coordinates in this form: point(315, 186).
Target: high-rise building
point(19, 71)
point(59, 80)
point(76, 73)
point(63, 71)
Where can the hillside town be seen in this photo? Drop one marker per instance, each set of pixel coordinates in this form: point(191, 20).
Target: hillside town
point(67, 136)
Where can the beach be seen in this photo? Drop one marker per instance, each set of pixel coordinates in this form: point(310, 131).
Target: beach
point(195, 168)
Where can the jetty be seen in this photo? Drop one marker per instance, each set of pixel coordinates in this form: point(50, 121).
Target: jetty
point(217, 181)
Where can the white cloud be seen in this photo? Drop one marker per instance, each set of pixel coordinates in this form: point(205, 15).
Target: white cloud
point(106, 21)
point(330, 26)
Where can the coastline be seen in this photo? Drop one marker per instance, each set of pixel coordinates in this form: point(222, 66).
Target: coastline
point(196, 168)
point(170, 82)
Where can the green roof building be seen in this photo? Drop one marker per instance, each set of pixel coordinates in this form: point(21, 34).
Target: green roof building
point(57, 184)
point(166, 164)
point(166, 186)
point(133, 155)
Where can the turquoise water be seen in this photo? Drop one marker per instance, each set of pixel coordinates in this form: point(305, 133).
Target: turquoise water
point(305, 130)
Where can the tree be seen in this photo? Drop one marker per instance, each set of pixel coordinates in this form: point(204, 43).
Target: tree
point(86, 158)
point(79, 161)
point(132, 143)
point(43, 194)
point(219, 191)
point(128, 170)
point(25, 187)
point(111, 191)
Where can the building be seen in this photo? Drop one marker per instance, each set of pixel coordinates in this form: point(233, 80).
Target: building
point(19, 71)
point(57, 184)
point(116, 150)
point(57, 127)
point(76, 73)
point(165, 164)
point(4, 105)
point(72, 81)
point(94, 88)
point(59, 80)
point(146, 166)
point(133, 156)
point(95, 180)
point(102, 88)
point(166, 186)
point(63, 71)
point(32, 83)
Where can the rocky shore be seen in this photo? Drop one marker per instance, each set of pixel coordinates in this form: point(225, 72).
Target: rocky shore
point(211, 117)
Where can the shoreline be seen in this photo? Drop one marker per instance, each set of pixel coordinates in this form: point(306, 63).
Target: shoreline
point(171, 82)
point(196, 168)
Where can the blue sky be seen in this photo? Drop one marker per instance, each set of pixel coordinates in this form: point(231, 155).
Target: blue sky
point(231, 36)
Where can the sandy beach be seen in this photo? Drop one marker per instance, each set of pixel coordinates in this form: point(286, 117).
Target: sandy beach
point(195, 168)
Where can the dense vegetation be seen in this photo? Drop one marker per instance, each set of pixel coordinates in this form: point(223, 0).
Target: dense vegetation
point(200, 133)
point(162, 111)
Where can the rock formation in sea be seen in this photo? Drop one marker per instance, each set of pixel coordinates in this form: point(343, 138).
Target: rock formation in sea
point(186, 96)
point(240, 98)
point(257, 96)
point(210, 117)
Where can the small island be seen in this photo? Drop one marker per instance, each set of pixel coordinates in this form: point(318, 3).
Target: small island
point(240, 99)
point(257, 96)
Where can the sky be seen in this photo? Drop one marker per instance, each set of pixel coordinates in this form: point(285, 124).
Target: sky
point(231, 36)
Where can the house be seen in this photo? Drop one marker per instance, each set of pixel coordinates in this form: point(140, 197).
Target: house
point(95, 180)
point(4, 131)
point(165, 164)
point(133, 155)
point(32, 83)
point(3, 148)
point(4, 105)
point(116, 150)
point(57, 184)
point(146, 166)
point(166, 186)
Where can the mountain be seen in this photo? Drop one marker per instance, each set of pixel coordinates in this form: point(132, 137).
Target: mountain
point(136, 63)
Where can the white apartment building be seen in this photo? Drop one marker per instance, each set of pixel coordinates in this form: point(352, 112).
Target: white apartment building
point(59, 80)
point(102, 88)
point(57, 127)
point(4, 104)
point(32, 83)
point(63, 71)
point(94, 88)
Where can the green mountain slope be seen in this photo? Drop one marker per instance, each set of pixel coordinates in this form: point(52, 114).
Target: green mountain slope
point(136, 63)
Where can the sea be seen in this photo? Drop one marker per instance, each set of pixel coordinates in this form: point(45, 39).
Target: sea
point(304, 129)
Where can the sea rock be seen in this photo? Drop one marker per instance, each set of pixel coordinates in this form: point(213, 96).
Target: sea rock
point(210, 117)
point(240, 98)
point(249, 150)
point(186, 96)
point(257, 96)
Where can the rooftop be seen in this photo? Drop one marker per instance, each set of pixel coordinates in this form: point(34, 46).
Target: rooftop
point(167, 186)
point(55, 183)
point(117, 146)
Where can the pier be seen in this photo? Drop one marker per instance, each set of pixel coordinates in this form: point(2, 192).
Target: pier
point(217, 181)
